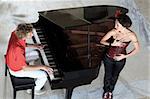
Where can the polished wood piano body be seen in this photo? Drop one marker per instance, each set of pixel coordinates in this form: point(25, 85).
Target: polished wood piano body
point(72, 43)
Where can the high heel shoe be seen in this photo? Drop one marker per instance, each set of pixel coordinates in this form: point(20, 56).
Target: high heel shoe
point(107, 95)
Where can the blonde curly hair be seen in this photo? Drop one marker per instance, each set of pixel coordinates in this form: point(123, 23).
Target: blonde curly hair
point(23, 29)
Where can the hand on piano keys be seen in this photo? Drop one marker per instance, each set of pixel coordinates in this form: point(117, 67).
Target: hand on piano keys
point(46, 55)
point(39, 46)
point(48, 69)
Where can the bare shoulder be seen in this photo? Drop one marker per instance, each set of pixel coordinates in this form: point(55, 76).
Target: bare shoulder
point(133, 37)
point(108, 35)
point(112, 32)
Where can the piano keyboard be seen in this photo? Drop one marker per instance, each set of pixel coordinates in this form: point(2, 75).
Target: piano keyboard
point(46, 54)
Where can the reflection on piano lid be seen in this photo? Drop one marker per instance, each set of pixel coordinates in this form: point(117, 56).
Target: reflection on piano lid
point(72, 44)
point(102, 12)
point(83, 15)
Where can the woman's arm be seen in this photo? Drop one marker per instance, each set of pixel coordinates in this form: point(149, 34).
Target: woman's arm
point(38, 46)
point(107, 36)
point(136, 45)
point(136, 48)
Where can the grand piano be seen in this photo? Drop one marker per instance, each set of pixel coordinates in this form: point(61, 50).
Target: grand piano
point(71, 38)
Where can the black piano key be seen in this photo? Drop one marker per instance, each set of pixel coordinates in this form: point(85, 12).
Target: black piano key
point(53, 66)
point(57, 74)
point(41, 36)
point(46, 45)
point(42, 39)
point(40, 32)
point(57, 79)
point(55, 69)
point(39, 29)
point(50, 59)
point(52, 63)
point(43, 42)
point(48, 53)
point(46, 49)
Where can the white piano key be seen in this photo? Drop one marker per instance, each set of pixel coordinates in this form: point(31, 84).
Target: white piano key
point(51, 76)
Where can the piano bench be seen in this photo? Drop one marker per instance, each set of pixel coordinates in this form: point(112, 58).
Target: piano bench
point(20, 83)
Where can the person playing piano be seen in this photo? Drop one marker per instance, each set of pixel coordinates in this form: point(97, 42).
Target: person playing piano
point(115, 57)
point(16, 58)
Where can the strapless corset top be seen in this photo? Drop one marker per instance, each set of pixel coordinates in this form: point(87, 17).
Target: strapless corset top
point(116, 50)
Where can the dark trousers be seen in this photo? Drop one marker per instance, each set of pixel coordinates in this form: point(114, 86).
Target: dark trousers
point(112, 71)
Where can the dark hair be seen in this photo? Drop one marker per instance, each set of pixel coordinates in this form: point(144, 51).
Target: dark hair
point(23, 29)
point(125, 20)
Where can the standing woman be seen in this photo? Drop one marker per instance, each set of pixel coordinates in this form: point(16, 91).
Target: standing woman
point(115, 58)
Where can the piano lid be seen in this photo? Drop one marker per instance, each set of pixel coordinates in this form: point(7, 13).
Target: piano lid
point(66, 18)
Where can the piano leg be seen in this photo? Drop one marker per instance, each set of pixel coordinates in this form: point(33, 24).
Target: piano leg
point(69, 92)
